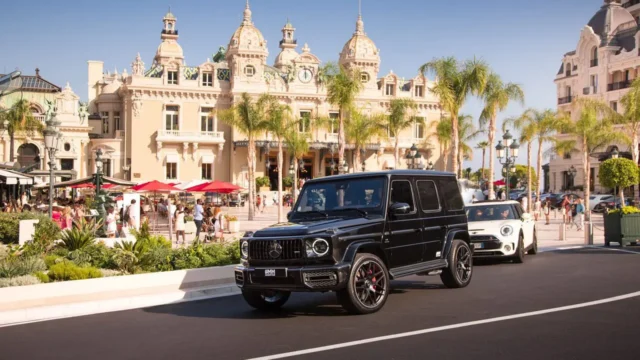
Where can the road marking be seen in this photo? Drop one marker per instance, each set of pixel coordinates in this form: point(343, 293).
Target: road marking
point(614, 249)
point(448, 327)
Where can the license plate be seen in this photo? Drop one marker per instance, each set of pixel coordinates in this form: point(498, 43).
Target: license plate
point(271, 273)
point(478, 245)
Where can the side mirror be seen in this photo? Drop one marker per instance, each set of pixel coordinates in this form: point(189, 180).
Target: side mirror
point(400, 209)
point(289, 215)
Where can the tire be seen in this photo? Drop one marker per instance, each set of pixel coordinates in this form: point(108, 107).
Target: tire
point(519, 256)
point(367, 287)
point(534, 246)
point(459, 272)
point(266, 300)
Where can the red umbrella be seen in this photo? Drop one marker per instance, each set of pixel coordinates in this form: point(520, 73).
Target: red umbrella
point(215, 186)
point(154, 186)
point(499, 182)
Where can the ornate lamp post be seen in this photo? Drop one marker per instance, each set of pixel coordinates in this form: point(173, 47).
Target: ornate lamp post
point(97, 181)
point(332, 149)
point(509, 159)
point(363, 153)
point(414, 158)
point(51, 137)
point(344, 167)
point(572, 174)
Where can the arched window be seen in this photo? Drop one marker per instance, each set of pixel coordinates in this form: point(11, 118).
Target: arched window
point(594, 56)
point(28, 154)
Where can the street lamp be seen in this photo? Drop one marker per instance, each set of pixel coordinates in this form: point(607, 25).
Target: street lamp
point(363, 153)
point(572, 173)
point(345, 166)
point(97, 181)
point(430, 165)
point(332, 149)
point(51, 137)
point(503, 152)
point(412, 156)
point(614, 153)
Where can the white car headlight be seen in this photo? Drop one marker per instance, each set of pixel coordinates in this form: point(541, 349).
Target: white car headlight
point(506, 230)
point(316, 247)
point(244, 249)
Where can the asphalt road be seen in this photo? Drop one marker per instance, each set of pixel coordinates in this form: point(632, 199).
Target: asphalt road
point(226, 328)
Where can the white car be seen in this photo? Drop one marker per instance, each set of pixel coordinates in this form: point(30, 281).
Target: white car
point(502, 229)
point(597, 199)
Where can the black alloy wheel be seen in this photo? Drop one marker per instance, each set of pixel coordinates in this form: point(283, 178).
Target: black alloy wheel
point(368, 286)
point(459, 271)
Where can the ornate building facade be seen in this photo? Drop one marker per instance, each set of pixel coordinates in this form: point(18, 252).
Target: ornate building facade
point(603, 66)
point(159, 121)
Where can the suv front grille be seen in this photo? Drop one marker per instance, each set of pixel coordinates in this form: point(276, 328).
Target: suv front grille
point(274, 250)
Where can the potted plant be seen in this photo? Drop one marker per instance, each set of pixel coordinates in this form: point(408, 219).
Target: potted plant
point(620, 225)
point(263, 184)
point(233, 225)
point(287, 183)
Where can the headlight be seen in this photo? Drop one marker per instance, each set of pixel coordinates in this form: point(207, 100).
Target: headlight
point(317, 247)
point(244, 249)
point(506, 230)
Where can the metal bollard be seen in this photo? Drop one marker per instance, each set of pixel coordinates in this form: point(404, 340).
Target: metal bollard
point(563, 232)
point(588, 235)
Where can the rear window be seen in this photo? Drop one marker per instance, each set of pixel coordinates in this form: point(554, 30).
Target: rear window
point(428, 195)
point(451, 192)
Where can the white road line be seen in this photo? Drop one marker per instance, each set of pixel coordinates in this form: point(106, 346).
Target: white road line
point(448, 327)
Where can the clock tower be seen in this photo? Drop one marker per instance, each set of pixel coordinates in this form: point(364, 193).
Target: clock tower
point(288, 45)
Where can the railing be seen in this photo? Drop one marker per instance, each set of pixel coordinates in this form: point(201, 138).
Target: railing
point(170, 32)
point(39, 117)
point(289, 41)
point(331, 137)
point(191, 134)
point(564, 100)
point(618, 85)
point(594, 62)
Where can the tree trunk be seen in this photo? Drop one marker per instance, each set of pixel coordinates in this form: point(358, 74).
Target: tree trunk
point(539, 170)
point(460, 161)
point(295, 180)
point(482, 168)
point(358, 166)
point(492, 134)
point(445, 159)
point(456, 142)
point(252, 183)
point(529, 197)
point(634, 148)
point(587, 174)
point(341, 142)
point(395, 152)
point(280, 169)
point(11, 141)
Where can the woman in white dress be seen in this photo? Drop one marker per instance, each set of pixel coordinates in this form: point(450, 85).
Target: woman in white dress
point(179, 224)
point(112, 226)
point(218, 226)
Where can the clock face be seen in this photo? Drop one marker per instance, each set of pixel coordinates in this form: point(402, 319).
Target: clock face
point(305, 75)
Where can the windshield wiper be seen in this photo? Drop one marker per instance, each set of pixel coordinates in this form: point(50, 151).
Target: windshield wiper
point(315, 212)
point(362, 212)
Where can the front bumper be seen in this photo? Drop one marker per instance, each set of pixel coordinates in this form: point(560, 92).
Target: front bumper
point(294, 278)
point(491, 245)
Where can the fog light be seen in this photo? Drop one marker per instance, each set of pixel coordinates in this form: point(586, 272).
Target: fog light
point(507, 248)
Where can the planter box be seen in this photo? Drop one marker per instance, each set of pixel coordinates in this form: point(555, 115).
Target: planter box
point(623, 229)
point(234, 226)
point(264, 189)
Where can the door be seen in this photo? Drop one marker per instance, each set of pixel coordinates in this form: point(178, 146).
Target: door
point(431, 212)
point(527, 224)
point(404, 232)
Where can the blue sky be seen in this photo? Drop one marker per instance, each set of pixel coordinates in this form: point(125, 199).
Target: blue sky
point(522, 40)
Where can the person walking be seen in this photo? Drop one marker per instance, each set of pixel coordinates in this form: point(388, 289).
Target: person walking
point(546, 210)
point(112, 225)
point(218, 226)
point(579, 218)
point(179, 224)
point(537, 206)
point(198, 216)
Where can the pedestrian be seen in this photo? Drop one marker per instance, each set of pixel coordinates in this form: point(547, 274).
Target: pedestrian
point(546, 209)
point(473, 198)
point(198, 216)
point(112, 225)
point(218, 226)
point(537, 207)
point(579, 218)
point(67, 219)
point(258, 202)
point(179, 222)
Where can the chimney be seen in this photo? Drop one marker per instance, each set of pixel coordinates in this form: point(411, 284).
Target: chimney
point(37, 72)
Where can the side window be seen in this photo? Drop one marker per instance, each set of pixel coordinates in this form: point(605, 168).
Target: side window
point(401, 193)
point(428, 194)
point(519, 211)
point(451, 193)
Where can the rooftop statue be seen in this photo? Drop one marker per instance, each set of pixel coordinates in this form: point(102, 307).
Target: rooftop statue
point(219, 56)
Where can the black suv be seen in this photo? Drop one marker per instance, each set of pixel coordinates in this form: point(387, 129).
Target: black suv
point(354, 233)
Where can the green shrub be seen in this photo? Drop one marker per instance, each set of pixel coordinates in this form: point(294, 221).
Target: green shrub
point(19, 281)
point(46, 230)
point(51, 260)
point(263, 181)
point(20, 266)
point(4, 252)
point(156, 259)
point(97, 255)
point(60, 251)
point(125, 261)
point(77, 238)
point(44, 278)
point(626, 210)
point(69, 271)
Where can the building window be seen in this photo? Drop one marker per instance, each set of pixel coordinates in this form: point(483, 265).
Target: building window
point(389, 89)
point(106, 167)
point(419, 91)
point(105, 122)
point(172, 77)
point(206, 120)
point(207, 79)
point(116, 120)
point(594, 56)
point(365, 77)
point(305, 121)
point(172, 171)
point(614, 105)
point(335, 125)
point(66, 164)
point(67, 147)
point(418, 131)
point(567, 156)
point(594, 83)
point(171, 118)
point(249, 70)
point(206, 172)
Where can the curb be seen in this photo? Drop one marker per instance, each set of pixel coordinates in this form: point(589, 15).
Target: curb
point(46, 313)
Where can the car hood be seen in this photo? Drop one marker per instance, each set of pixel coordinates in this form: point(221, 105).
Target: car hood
point(490, 227)
point(308, 227)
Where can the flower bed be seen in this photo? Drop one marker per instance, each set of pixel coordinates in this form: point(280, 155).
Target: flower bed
point(78, 255)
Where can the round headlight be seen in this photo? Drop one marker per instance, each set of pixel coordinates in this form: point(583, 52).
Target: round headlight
point(244, 248)
point(320, 247)
point(506, 230)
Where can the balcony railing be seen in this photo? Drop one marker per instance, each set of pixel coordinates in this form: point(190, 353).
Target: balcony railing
point(170, 32)
point(594, 62)
point(41, 118)
point(196, 136)
point(618, 85)
point(289, 41)
point(564, 100)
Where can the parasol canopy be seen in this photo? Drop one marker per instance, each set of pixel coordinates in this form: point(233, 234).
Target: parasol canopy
point(215, 186)
point(154, 186)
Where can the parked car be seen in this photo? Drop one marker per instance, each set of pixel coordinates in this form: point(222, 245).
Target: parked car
point(501, 229)
point(603, 206)
point(597, 199)
point(354, 233)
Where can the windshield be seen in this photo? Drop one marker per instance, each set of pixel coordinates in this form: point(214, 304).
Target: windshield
point(490, 212)
point(367, 194)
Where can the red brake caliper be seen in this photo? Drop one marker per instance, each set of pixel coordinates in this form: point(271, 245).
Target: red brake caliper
point(374, 280)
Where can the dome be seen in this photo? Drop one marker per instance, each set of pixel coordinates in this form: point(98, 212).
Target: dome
point(360, 46)
point(285, 57)
point(112, 88)
point(168, 49)
point(247, 36)
point(610, 16)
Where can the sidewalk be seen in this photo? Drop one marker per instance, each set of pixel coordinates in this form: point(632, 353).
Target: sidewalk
point(549, 235)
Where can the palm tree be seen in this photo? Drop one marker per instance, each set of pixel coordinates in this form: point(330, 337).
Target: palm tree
point(466, 132)
point(343, 85)
point(298, 146)
point(247, 117)
point(631, 116)
point(455, 82)
point(528, 131)
point(278, 122)
point(20, 119)
point(361, 129)
point(482, 145)
point(592, 131)
point(497, 96)
point(400, 117)
point(443, 134)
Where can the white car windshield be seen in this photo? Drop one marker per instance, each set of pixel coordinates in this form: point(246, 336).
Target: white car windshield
point(490, 212)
